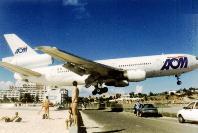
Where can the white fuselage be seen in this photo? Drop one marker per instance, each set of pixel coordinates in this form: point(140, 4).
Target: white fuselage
point(154, 66)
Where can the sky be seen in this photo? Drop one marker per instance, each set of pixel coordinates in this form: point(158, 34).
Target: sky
point(103, 29)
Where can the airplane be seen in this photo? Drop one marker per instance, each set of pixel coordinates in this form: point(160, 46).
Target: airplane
point(28, 66)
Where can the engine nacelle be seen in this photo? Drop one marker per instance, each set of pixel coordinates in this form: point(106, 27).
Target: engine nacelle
point(120, 83)
point(30, 61)
point(135, 75)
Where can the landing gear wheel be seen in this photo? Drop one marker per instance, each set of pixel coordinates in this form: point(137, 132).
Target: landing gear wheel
point(87, 85)
point(94, 92)
point(105, 90)
point(99, 91)
point(179, 82)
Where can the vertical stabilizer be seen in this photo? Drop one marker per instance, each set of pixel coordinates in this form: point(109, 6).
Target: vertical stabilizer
point(18, 46)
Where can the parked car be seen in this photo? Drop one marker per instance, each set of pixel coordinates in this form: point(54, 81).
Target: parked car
point(148, 110)
point(188, 113)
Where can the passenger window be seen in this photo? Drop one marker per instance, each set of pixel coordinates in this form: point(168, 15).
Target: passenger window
point(196, 106)
point(190, 106)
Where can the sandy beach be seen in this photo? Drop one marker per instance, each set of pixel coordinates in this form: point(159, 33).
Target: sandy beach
point(32, 121)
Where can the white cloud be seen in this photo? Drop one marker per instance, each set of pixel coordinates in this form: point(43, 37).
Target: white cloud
point(71, 2)
point(138, 89)
point(81, 13)
point(79, 8)
point(5, 84)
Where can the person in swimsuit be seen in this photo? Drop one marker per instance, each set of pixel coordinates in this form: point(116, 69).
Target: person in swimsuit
point(15, 118)
point(45, 105)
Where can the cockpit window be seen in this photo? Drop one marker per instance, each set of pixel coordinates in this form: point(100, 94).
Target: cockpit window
point(197, 58)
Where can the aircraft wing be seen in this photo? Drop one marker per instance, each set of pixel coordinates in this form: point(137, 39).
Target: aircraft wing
point(81, 65)
point(20, 70)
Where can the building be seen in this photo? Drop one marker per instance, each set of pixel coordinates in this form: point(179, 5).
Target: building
point(21, 88)
point(172, 92)
point(17, 93)
point(9, 94)
point(57, 95)
point(34, 93)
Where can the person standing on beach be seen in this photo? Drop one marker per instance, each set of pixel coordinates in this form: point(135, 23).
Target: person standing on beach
point(45, 105)
point(74, 105)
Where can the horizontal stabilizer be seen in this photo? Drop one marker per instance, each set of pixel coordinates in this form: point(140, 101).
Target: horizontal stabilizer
point(20, 70)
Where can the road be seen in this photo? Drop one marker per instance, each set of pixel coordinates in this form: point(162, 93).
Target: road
point(124, 122)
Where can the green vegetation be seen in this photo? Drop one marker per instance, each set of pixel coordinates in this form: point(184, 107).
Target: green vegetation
point(27, 98)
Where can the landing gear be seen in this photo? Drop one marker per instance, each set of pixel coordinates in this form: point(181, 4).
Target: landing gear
point(99, 91)
point(178, 81)
point(94, 92)
point(87, 85)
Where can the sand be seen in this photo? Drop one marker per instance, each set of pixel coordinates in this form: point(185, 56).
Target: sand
point(32, 121)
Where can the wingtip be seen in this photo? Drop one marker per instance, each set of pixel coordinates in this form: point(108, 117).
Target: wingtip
point(9, 34)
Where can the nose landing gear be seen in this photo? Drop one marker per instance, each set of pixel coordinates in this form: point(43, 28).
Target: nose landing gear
point(178, 80)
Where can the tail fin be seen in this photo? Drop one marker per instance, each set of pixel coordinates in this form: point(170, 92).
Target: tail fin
point(18, 46)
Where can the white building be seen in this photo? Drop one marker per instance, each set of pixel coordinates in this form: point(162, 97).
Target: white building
point(35, 92)
point(9, 94)
point(172, 92)
point(57, 95)
point(20, 88)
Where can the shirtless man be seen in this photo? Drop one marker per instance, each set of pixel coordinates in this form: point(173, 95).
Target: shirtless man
point(45, 105)
point(74, 105)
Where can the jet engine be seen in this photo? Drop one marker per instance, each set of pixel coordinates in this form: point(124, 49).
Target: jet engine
point(120, 83)
point(135, 75)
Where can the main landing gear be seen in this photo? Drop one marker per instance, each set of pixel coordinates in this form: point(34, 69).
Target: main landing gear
point(178, 81)
point(99, 90)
